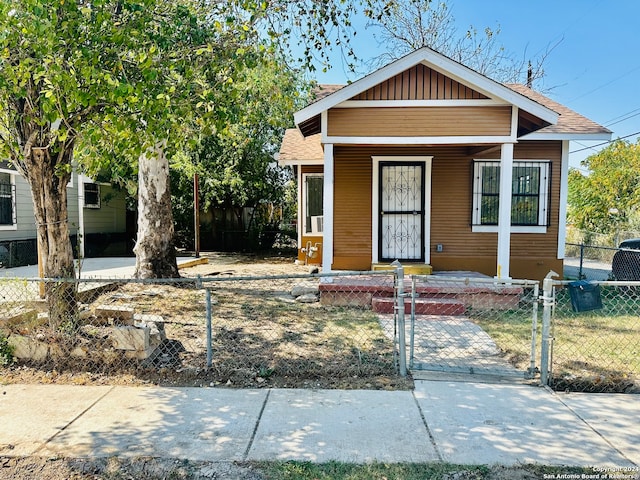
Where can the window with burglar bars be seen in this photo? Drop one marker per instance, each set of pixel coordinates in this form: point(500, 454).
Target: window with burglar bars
point(7, 201)
point(529, 193)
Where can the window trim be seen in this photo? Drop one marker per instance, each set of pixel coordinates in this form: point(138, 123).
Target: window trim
point(305, 176)
point(84, 195)
point(12, 181)
point(543, 196)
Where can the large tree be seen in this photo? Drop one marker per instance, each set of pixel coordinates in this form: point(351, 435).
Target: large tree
point(60, 67)
point(130, 69)
point(606, 197)
point(203, 85)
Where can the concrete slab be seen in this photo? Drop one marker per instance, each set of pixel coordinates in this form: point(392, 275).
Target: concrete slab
point(474, 423)
point(614, 416)
point(32, 414)
point(107, 267)
point(351, 426)
point(194, 423)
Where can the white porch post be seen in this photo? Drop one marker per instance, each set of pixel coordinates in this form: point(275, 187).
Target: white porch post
point(564, 193)
point(327, 209)
point(504, 213)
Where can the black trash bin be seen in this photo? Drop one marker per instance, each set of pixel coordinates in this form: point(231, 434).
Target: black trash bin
point(585, 296)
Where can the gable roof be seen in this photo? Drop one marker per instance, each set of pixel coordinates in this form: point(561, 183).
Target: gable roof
point(298, 149)
point(569, 122)
point(432, 59)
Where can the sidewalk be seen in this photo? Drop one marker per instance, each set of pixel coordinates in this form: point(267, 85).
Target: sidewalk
point(457, 422)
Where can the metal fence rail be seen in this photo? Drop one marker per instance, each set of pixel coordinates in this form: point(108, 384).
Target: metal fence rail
point(474, 325)
point(242, 331)
point(593, 336)
point(330, 330)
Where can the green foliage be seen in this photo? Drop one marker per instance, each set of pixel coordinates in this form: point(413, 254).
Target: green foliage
point(606, 199)
point(6, 351)
point(235, 164)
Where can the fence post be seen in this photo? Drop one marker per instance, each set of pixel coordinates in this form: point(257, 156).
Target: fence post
point(413, 321)
point(580, 275)
point(402, 345)
point(531, 372)
point(548, 301)
point(209, 339)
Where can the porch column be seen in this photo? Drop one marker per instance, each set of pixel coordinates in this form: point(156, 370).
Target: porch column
point(327, 209)
point(564, 194)
point(504, 212)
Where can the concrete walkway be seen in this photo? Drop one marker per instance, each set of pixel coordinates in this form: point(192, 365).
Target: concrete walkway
point(441, 420)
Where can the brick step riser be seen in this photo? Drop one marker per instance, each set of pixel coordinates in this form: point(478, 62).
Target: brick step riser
point(428, 307)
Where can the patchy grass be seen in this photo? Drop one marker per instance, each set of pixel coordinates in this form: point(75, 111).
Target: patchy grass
point(149, 468)
point(594, 351)
point(261, 337)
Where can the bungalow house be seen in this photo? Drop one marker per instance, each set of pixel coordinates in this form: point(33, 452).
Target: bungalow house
point(431, 163)
point(97, 213)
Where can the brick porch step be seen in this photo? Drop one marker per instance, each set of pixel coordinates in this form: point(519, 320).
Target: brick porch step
point(424, 306)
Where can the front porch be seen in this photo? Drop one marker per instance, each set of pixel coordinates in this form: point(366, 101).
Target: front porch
point(441, 293)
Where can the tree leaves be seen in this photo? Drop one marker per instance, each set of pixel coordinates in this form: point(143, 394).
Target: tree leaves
point(607, 198)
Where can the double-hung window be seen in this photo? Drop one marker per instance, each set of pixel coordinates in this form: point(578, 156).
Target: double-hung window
point(529, 196)
point(91, 195)
point(313, 204)
point(7, 201)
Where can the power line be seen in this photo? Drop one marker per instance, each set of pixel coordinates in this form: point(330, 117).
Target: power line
point(625, 118)
point(613, 120)
point(605, 84)
point(605, 143)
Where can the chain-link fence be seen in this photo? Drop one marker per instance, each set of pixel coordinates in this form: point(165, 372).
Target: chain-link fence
point(599, 263)
point(594, 336)
point(340, 330)
point(289, 331)
point(475, 325)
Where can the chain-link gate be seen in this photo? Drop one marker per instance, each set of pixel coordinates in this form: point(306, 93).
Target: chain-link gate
point(475, 325)
point(592, 336)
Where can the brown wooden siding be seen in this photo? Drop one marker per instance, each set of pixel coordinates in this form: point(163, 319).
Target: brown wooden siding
point(311, 169)
point(416, 121)
point(352, 209)
point(420, 83)
point(532, 255)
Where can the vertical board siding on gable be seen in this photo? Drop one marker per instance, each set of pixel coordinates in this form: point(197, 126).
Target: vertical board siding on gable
point(420, 83)
point(419, 121)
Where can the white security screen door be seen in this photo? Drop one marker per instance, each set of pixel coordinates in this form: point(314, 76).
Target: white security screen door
point(402, 209)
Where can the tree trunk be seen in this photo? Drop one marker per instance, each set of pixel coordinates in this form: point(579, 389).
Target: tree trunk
point(155, 249)
point(48, 184)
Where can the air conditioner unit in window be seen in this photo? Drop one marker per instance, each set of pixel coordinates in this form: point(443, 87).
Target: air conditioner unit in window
point(317, 223)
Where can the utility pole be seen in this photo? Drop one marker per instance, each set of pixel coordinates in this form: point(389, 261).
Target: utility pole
point(196, 215)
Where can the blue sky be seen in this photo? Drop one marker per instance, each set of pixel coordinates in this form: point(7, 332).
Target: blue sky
point(594, 70)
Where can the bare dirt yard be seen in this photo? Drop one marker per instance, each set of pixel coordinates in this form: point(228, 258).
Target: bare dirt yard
point(261, 336)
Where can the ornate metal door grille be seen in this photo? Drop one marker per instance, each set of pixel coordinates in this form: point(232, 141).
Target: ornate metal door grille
point(401, 231)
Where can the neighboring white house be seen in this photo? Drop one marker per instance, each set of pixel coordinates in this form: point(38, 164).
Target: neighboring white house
point(97, 214)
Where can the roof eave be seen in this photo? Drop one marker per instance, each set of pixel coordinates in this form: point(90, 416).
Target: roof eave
point(430, 58)
point(566, 136)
